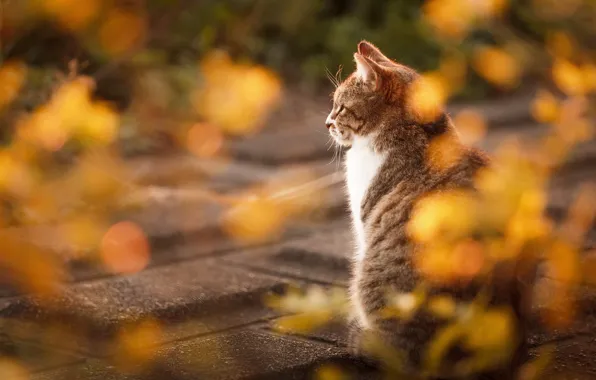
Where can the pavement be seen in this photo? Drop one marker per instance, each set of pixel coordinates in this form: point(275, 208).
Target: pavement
point(205, 291)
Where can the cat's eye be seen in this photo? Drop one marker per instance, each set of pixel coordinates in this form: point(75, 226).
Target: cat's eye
point(341, 108)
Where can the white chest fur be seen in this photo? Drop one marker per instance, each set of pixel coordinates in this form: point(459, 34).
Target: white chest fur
point(362, 165)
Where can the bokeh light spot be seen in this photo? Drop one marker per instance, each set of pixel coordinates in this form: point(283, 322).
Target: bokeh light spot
point(204, 140)
point(124, 248)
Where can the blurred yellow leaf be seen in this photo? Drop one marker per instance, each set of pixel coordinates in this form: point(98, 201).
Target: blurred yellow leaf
point(528, 222)
point(137, 344)
point(204, 140)
point(433, 216)
point(82, 232)
point(254, 220)
point(497, 66)
point(73, 14)
point(121, 31)
point(545, 107)
point(468, 259)
point(442, 306)
point(46, 128)
point(444, 151)
point(563, 263)
point(30, 267)
point(438, 348)
point(560, 44)
point(452, 18)
point(304, 322)
point(15, 177)
point(589, 76)
point(124, 248)
point(235, 97)
point(101, 125)
point(403, 305)
point(428, 95)
point(568, 77)
point(436, 265)
point(330, 372)
point(493, 329)
point(72, 101)
point(313, 299)
point(12, 77)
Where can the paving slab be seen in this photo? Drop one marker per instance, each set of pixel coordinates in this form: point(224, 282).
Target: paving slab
point(214, 295)
point(323, 257)
point(241, 354)
point(247, 353)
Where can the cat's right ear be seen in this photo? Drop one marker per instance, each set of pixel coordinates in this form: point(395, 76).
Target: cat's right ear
point(368, 71)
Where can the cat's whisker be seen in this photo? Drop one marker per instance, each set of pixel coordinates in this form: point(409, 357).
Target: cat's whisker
point(331, 77)
point(338, 75)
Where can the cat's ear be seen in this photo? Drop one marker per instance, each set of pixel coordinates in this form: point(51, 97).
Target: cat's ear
point(369, 50)
point(368, 71)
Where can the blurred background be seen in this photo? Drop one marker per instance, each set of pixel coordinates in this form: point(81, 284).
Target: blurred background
point(164, 165)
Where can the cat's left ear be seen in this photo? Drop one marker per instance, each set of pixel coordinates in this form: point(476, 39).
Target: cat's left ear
point(369, 50)
point(368, 71)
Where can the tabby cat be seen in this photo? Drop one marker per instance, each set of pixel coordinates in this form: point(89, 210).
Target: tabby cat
point(387, 170)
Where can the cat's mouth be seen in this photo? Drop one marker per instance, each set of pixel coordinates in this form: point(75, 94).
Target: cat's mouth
point(342, 136)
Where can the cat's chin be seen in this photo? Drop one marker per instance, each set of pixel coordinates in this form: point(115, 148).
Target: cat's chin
point(343, 143)
point(343, 139)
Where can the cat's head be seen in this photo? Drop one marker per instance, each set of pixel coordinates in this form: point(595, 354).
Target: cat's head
point(376, 91)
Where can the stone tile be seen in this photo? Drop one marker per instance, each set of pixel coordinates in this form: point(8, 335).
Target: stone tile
point(246, 354)
point(321, 257)
point(216, 296)
point(89, 370)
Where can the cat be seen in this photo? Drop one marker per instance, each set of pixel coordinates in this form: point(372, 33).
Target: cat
point(387, 170)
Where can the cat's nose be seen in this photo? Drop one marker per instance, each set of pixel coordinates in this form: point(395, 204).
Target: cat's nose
point(329, 122)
